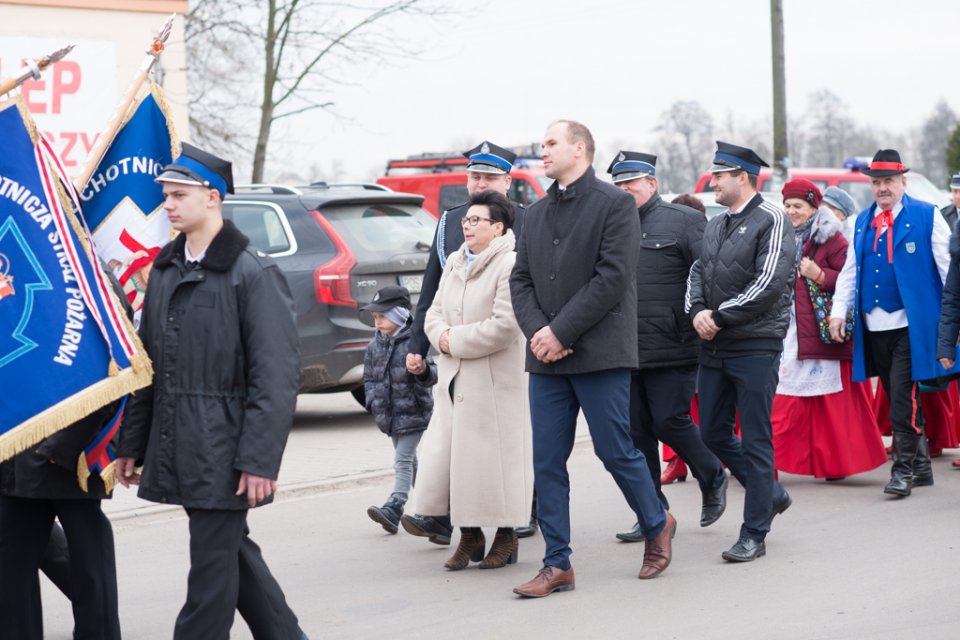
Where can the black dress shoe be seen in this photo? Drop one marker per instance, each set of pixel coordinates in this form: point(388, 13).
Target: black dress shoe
point(434, 529)
point(746, 550)
point(634, 535)
point(714, 503)
point(780, 506)
point(528, 531)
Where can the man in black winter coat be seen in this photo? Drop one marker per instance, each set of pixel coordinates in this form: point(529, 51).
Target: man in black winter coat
point(218, 326)
point(575, 300)
point(488, 169)
point(738, 296)
point(662, 388)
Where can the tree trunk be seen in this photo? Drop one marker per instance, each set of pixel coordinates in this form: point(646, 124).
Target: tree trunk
point(266, 106)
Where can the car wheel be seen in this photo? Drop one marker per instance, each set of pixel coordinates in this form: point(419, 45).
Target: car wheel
point(360, 396)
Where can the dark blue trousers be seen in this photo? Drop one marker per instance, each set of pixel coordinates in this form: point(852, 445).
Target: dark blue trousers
point(604, 396)
point(746, 384)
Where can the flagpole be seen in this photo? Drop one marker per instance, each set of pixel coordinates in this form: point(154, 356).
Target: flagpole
point(116, 120)
point(32, 69)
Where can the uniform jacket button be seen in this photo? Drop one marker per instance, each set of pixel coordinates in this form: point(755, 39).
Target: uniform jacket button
point(459, 397)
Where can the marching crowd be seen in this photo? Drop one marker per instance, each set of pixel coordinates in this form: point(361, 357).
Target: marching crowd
point(766, 325)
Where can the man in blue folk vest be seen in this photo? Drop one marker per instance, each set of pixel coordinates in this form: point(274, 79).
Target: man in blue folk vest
point(893, 278)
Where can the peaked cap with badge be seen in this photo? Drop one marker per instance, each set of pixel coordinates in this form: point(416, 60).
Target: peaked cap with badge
point(195, 166)
point(730, 157)
point(487, 157)
point(630, 165)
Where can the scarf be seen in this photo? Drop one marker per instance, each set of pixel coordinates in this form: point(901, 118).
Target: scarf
point(800, 235)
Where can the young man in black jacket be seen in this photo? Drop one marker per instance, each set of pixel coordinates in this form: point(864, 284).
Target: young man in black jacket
point(575, 300)
point(738, 296)
point(662, 388)
point(218, 325)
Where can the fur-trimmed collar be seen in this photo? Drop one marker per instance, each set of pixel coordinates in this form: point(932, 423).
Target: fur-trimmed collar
point(825, 225)
point(223, 251)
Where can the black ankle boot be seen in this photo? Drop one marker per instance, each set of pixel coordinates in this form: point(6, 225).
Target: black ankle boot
point(388, 516)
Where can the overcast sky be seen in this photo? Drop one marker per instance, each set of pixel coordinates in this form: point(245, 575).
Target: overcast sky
point(508, 69)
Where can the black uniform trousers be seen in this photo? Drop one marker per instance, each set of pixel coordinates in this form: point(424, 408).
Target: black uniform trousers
point(227, 574)
point(25, 526)
point(660, 412)
point(889, 356)
point(746, 384)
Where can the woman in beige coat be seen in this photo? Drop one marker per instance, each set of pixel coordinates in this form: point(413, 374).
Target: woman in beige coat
point(476, 457)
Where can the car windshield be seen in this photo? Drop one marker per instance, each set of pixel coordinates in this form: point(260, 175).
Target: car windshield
point(382, 229)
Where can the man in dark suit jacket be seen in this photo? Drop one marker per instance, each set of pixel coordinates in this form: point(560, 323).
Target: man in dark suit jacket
point(575, 299)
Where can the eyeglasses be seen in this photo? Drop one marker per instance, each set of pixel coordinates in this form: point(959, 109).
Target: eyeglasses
point(472, 221)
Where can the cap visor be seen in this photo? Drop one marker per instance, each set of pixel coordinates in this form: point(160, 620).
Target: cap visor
point(721, 168)
point(632, 175)
point(177, 177)
point(485, 168)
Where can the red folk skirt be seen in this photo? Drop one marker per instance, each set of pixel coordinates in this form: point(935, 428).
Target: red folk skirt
point(829, 436)
point(941, 413)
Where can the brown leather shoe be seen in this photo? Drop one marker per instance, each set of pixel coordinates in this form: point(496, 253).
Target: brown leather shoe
point(549, 579)
point(657, 552)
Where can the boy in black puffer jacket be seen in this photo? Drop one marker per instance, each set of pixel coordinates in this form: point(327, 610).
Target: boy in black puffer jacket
point(401, 403)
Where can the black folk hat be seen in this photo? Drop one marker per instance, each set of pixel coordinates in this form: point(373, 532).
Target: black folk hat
point(487, 157)
point(630, 165)
point(388, 298)
point(886, 162)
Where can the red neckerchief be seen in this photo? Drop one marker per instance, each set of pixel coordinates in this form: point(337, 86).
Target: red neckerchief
point(884, 219)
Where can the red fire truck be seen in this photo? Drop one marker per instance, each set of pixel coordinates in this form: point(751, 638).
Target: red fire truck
point(441, 178)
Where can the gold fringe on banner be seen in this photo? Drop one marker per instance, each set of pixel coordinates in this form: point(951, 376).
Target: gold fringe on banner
point(161, 97)
point(108, 475)
point(67, 411)
point(83, 472)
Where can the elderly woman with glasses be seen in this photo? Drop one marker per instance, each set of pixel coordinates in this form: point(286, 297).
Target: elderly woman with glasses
point(476, 457)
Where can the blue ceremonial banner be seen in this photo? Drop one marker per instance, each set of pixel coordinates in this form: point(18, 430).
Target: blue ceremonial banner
point(66, 347)
point(122, 205)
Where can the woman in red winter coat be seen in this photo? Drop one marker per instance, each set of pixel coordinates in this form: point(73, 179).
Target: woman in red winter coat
point(823, 422)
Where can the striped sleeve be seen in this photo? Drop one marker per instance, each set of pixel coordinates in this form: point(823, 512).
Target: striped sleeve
point(768, 270)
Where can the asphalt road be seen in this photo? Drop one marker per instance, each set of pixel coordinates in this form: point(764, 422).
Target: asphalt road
point(844, 562)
